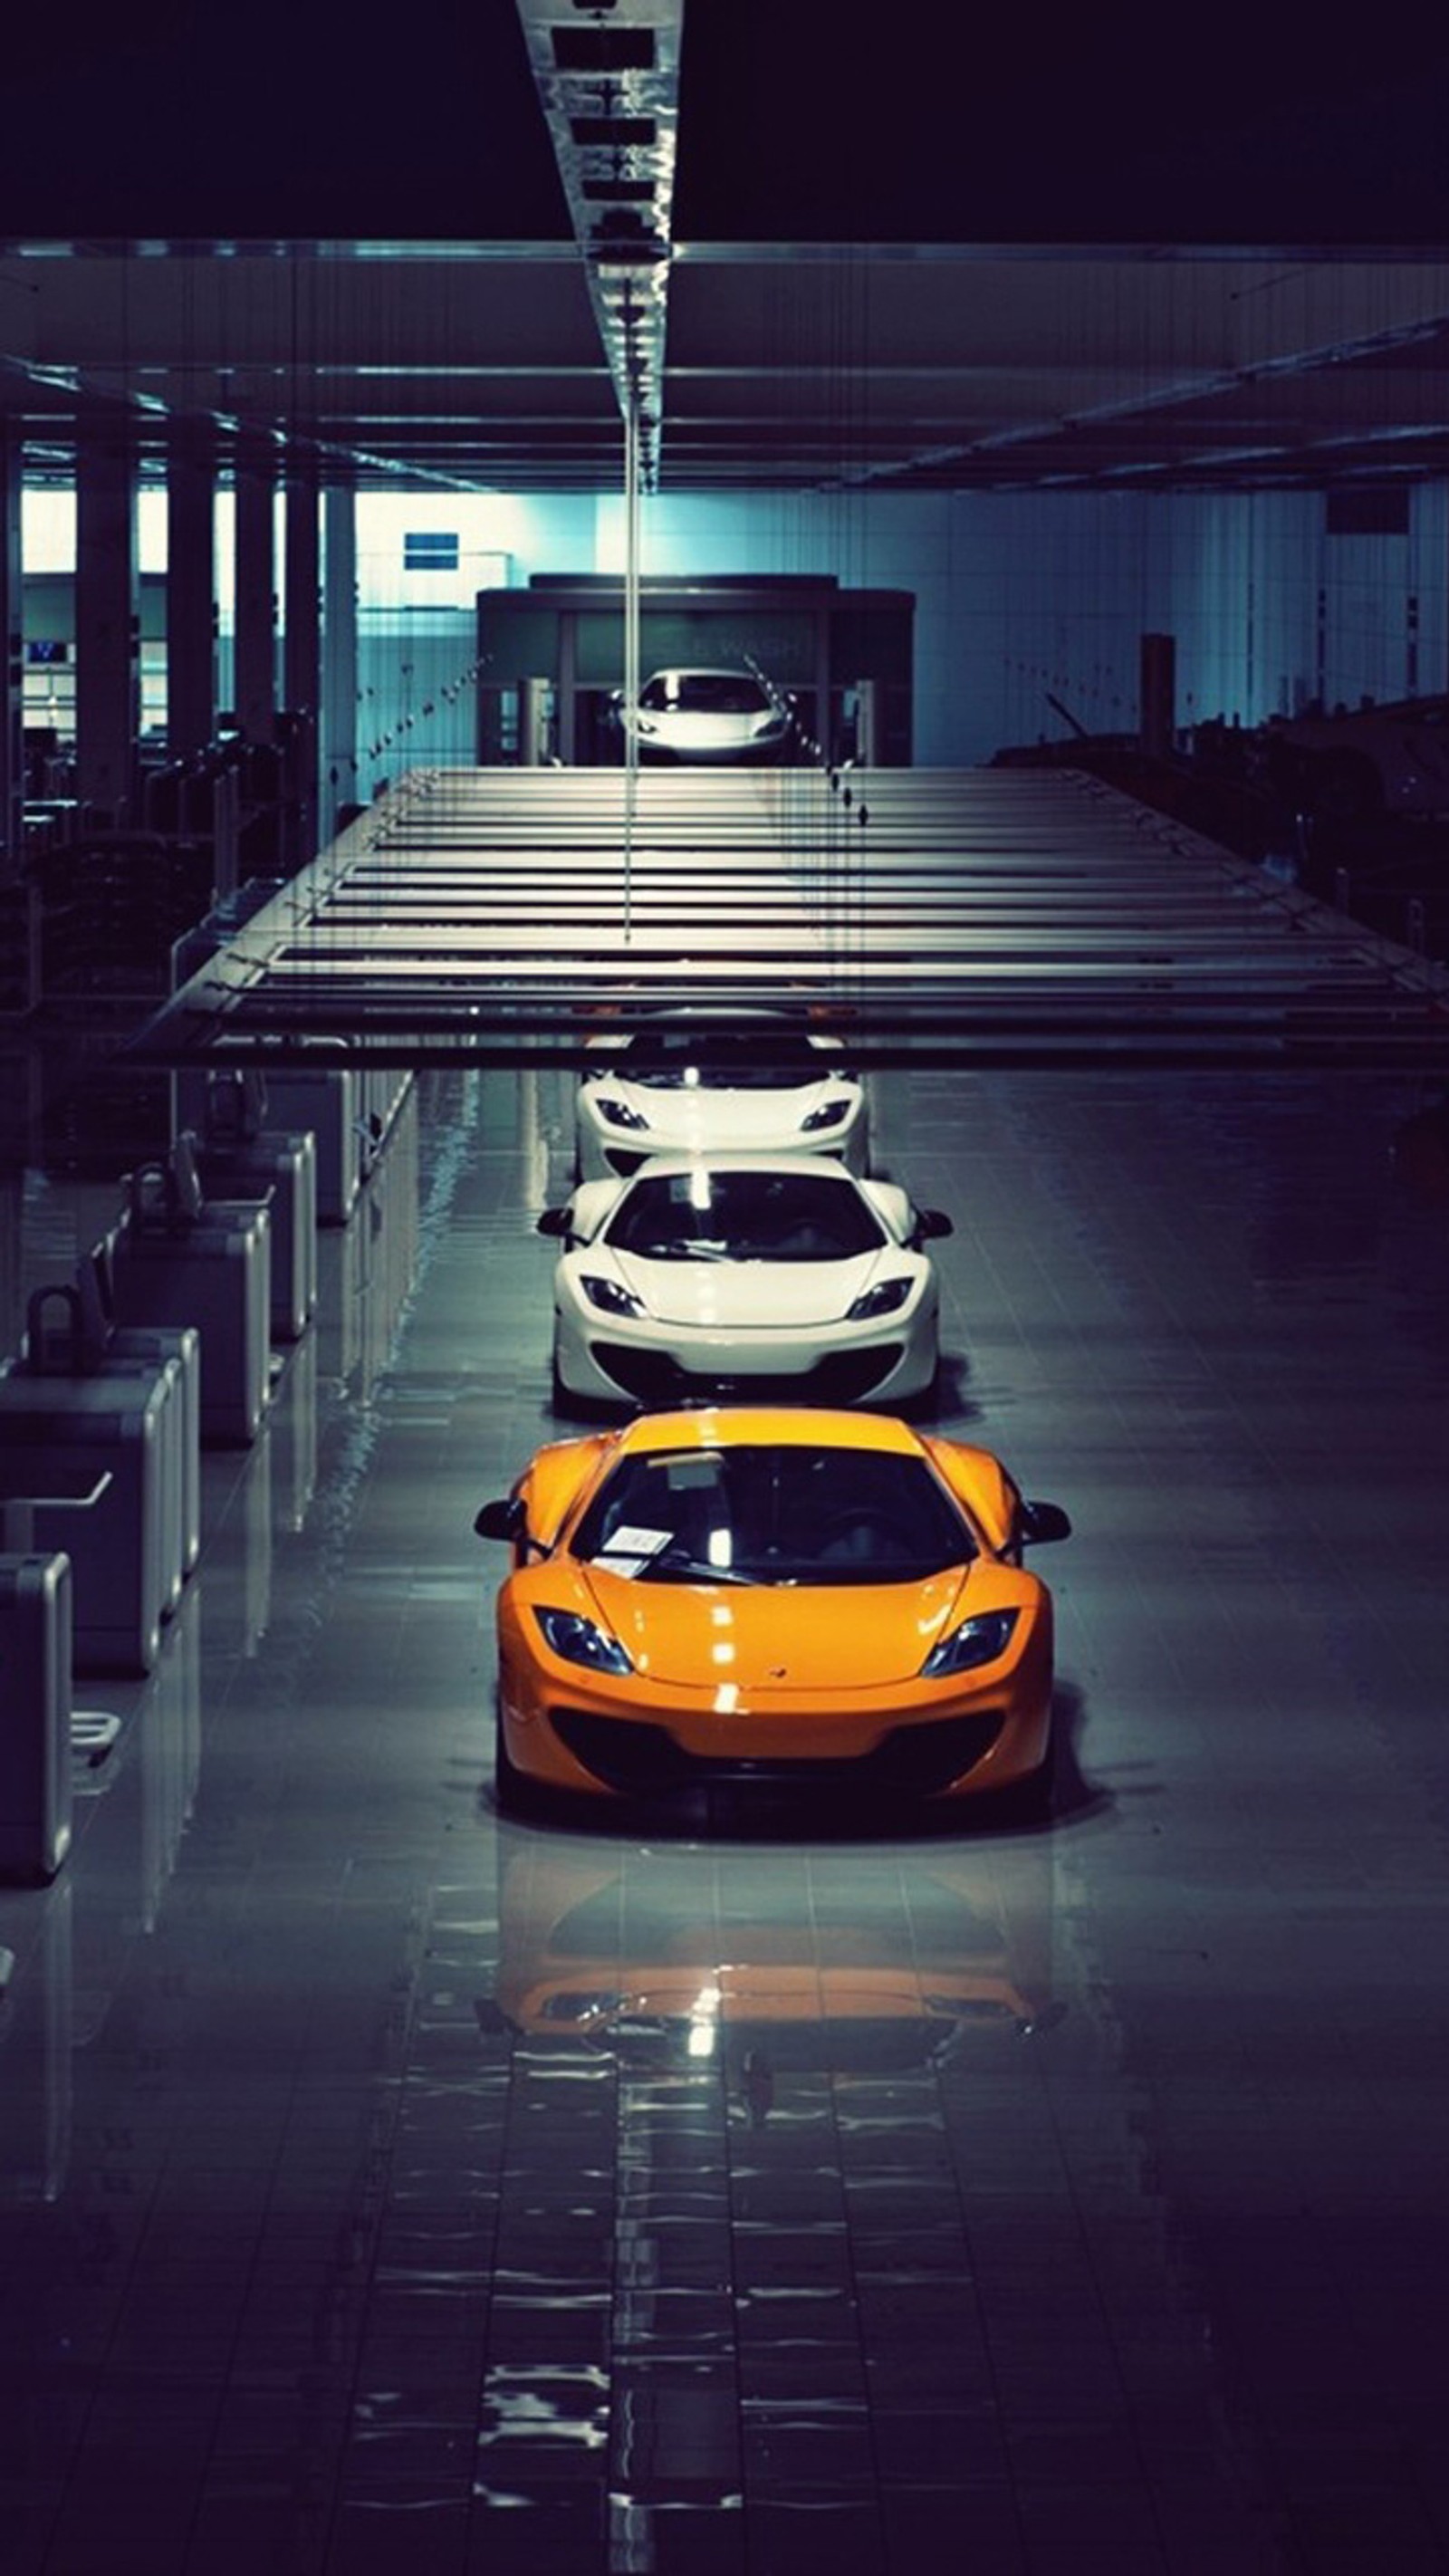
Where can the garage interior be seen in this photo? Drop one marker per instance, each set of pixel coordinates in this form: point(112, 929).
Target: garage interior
point(749, 2187)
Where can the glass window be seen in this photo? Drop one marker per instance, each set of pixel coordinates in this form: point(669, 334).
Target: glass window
point(704, 693)
point(767, 1056)
point(745, 1216)
point(797, 1514)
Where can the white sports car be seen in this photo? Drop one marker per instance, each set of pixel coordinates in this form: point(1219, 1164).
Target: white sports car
point(705, 716)
point(688, 1081)
point(756, 1276)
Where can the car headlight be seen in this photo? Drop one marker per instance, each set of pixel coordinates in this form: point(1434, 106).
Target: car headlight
point(609, 1295)
point(619, 1113)
point(578, 1641)
point(976, 1641)
point(829, 1114)
point(880, 1300)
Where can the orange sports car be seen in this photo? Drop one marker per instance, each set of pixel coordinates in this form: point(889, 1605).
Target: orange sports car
point(742, 1595)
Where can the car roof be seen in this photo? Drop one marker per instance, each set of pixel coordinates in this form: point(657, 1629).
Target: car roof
point(801, 1019)
point(701, 671)
point(711, 1426)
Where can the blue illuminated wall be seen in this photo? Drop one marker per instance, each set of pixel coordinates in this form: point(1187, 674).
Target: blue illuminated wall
point(1019, 596)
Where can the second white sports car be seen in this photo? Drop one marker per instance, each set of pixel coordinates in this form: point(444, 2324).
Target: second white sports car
point(751, 1275)
point(687, 1081)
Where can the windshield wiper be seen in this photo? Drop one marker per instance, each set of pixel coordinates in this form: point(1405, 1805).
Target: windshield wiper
point(687, 1248)
point(690, 1569)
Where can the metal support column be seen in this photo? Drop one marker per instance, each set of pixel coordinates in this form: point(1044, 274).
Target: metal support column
point(631, 648)
point(565, 722)
point(867, 724)
point(256, 597)
point(533, 719)
point(302, 637)
point(337, 730)
point(12, 672)
point(819, 728)
point(1158, 712)
point(191, 618)
point(107, 624)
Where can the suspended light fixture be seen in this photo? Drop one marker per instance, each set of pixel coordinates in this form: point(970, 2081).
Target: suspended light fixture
point(607, 73)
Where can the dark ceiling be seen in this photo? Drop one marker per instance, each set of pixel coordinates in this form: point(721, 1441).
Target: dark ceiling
point(806, 120)
point(937, 250)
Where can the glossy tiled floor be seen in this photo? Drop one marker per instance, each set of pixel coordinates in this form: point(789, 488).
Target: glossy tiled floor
point(379, 2189)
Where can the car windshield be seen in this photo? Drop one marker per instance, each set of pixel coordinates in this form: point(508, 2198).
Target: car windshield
point(688, 1057)
point(798, 1514)
point(706, 1215)
point(703, 693)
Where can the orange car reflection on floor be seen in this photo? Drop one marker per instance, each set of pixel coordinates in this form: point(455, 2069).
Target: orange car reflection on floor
point(756, 1595)
point(647, 1958)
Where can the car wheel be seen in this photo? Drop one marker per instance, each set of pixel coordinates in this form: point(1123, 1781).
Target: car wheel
point(1032, 1801)
point(559, 1397)
point(925, 1404)
point(569, 1407)
point(510, 1789)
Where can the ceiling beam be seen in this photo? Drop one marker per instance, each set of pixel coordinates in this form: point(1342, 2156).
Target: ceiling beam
point(607, 73)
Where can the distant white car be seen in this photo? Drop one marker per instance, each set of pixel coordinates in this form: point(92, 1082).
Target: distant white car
point(691, 1081)
point(746, 1276)
point(705, 716)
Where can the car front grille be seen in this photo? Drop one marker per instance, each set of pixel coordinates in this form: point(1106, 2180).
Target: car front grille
point(842, 1377)
point(638, 1758)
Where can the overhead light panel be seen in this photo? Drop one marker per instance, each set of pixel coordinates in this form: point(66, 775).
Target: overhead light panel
point(613, 134)
point(613, 48)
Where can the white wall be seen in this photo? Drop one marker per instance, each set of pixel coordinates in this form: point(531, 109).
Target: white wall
point(417, 631)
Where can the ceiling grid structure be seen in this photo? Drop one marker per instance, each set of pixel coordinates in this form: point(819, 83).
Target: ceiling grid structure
point(944, 917)
point(790, 367)
point(872, 350)
point(608, 82)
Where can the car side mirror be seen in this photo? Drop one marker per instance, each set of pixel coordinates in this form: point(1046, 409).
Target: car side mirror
point(504, 1518)
point(1040, 1521)
point(931, 1222)
point(553, 1221)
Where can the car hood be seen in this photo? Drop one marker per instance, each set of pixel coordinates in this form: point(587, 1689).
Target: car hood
point(786, 1637)
point(688, 1119)
point(697, 724)
point(740, 1295)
